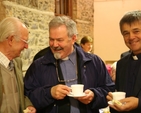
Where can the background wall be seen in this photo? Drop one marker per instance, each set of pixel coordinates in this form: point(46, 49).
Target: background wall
point(108, 42)
point(36, 18)
point(36, 14)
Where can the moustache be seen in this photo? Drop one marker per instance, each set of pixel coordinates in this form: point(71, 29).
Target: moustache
point(57, 48)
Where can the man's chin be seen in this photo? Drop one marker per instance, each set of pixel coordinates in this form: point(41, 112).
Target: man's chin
point(57, 55)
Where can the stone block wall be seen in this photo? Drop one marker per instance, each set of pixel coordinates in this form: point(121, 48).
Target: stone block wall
point(2, 11)
point(84, 14)
point(36, 14)
point(37, 23)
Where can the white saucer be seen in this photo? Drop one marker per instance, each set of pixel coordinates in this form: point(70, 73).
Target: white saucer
point(71, 95)
point(110, 103)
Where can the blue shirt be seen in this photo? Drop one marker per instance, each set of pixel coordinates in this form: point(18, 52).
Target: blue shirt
point(69, 71)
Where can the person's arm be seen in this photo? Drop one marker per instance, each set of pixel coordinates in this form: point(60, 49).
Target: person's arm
point(29, 105)
point(25, 102)
point(104, 84)
point(38, 93)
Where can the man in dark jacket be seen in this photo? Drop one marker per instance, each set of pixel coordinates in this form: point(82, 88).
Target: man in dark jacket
point(48, 79)
point(128, 71)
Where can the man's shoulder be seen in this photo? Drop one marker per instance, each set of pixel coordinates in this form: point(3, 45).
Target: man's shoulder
point(125, 54)
point(123, 61)
point(41, 53)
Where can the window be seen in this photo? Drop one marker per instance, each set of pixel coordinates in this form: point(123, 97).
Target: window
point(63, 7)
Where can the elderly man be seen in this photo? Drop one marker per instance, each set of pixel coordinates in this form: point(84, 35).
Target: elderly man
point(13, 39)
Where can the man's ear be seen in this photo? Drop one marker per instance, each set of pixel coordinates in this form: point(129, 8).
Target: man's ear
point(10, 39)
point(74, 38)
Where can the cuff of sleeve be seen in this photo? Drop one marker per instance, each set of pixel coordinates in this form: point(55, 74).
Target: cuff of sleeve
point(139, 105)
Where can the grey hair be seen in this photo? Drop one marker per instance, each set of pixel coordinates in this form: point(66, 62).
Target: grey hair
point(130, 17)
point(64, 20)
point(9, 27)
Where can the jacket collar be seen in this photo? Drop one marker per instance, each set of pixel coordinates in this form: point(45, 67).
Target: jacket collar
point(81, 55)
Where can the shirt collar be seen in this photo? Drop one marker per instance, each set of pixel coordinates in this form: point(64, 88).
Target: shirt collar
point(4, 60)
point(71, 57)
point(136, 57)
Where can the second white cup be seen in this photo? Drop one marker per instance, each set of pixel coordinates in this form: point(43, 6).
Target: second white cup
point(77, 89)
point(118, 95)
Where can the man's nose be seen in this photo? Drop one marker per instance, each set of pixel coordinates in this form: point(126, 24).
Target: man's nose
point(132, 35)
point(55, 43)
point(26, 46)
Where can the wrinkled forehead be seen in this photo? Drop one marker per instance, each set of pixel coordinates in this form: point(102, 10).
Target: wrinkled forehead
point(136, 23)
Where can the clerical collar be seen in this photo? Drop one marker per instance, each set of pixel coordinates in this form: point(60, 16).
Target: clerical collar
point(65, 58)
point(71, 56)
point(136, 57)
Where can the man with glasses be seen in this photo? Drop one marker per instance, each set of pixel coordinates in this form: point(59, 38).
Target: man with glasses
point(48, 79)
point(13, 39)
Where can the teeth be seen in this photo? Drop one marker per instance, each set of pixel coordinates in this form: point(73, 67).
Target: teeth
point(57, 49)
point(132, 42)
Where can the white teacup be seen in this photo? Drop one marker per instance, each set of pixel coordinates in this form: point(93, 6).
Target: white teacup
point(118, 95)
point(77, 89)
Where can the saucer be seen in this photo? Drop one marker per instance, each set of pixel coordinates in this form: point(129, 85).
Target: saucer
point(71, 95)
point(114, 102)
point(110, 103)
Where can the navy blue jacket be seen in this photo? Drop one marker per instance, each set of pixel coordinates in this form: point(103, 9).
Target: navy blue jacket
point(41, 76)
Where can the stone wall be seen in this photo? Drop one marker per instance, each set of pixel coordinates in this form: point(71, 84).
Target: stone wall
point(2, 11)
point(84, 17)
point(36, 14)
point(37, 23)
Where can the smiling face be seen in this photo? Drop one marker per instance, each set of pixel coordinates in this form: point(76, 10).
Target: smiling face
point(18, 43)
point(61, 45)
point(132, 36)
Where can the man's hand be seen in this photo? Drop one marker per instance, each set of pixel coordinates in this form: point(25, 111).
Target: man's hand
point(88, 98)
point(60, 91)
point(109, 96)
point(128, 104)
point(30, 109)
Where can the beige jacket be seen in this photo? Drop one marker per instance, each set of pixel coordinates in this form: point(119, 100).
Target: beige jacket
point(24, 101)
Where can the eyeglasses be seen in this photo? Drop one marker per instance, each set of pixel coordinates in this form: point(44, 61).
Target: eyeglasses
point(64, 81)
point(25, 41)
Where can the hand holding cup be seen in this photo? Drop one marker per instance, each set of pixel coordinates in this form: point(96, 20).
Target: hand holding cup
point(116, 97)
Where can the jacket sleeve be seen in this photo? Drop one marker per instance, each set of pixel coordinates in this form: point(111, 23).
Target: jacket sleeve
point(24, 101)
point(102, 83)
point(37, 86)
point(27, 102)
